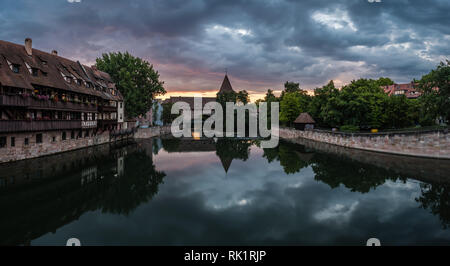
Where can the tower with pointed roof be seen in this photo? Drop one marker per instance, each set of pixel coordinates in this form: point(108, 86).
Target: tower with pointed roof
point(226, 85)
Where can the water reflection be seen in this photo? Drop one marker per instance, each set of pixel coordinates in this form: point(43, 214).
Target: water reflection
point(49, 192)
point(167, 191)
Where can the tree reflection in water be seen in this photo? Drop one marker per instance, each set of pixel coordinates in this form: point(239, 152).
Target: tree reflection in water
point(70, 184)
point(436, 198)
point(356, 176)
point(139, 185)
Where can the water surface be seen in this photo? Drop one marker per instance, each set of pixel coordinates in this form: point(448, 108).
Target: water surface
point(198, 192)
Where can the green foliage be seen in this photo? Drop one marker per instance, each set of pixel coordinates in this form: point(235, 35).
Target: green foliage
point(363, 104)
point(135, 78)
point(292, 104)
point(384, 81)
point(270, 97)
point(225, 97)
point(243, 97)
point(291, 86)
point(401, 112)
point(437, 101)
point(349, 128)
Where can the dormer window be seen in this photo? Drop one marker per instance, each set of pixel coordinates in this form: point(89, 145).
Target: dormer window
point(33, 71)
point(14, 67)
point(79, 81)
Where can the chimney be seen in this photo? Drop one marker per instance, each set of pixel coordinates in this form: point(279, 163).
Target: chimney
point(29, 46)
point(54, 52)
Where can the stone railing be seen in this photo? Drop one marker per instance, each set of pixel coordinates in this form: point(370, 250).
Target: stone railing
point(431, 144)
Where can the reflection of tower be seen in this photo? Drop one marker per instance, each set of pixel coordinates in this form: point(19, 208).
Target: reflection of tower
point(226, 162)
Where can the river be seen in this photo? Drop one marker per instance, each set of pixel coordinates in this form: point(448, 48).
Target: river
point(165, 191)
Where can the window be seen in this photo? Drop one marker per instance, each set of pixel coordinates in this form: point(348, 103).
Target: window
point(34, 72)
point(72, 134)
point(26, 142)
point(38, 138)
point(15, 68)
point(64, 135)
point(53, 139)
point(120, 105)
point(86, 135)
point(2, 142)
point(13, 141)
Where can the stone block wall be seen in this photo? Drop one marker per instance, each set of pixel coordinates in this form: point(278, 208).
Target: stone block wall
point(17, 148)
point(431, 144)
point(145, 133)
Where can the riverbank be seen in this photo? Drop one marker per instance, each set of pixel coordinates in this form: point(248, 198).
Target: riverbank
point(57, 142)
point(427, 144)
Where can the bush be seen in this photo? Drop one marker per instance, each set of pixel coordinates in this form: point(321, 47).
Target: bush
point(349, 128)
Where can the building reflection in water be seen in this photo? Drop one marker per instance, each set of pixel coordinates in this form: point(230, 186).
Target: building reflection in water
point(41, 195)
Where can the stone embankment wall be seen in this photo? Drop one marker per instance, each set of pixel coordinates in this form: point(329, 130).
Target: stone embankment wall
point(429, 144)
point(53, 143)
point(145, 133)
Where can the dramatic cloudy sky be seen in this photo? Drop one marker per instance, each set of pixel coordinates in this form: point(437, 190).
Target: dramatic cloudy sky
point(261, 43)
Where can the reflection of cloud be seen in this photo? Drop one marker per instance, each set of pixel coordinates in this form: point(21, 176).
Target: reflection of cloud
point(74, 1)
point(338, 213)
point(257, 203)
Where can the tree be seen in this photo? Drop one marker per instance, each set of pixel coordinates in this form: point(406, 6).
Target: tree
point(292, 104)
point(224, 97)
point(436, 89)
point(318, 105)
point(242, 96)
point(384, 81)
point(291, 86)
point(270, 97)
point(135, 78)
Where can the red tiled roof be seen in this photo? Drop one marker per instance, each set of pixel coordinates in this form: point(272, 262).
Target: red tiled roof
point(410, 90)
point(53, 66)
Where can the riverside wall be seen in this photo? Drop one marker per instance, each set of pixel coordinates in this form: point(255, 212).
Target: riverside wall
point(427, 144)
point(21, 146)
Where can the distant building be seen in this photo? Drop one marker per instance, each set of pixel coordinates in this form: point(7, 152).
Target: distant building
point(410, 90)
point(304, 122)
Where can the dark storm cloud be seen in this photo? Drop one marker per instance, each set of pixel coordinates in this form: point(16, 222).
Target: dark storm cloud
point(260, 42)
